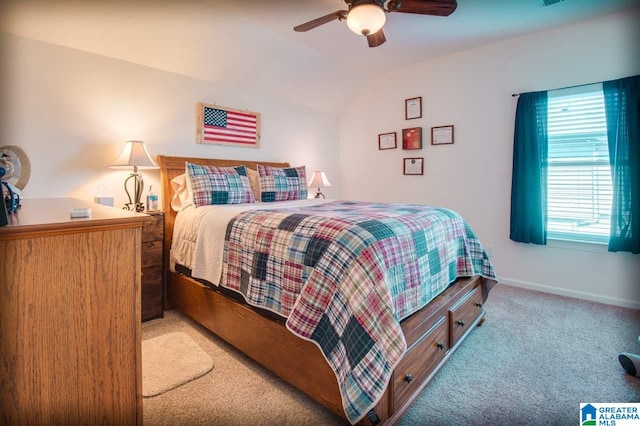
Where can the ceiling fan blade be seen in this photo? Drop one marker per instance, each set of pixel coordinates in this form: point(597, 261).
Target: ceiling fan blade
point(340, 14)
point(376, 39)
point(424, 7)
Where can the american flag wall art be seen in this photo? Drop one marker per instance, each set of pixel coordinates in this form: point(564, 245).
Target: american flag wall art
point(220, 125)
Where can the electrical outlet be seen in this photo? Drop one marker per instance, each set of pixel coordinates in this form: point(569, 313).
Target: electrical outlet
point(489, 250)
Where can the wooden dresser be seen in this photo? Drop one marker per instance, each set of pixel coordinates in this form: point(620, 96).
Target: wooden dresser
point(70, 315)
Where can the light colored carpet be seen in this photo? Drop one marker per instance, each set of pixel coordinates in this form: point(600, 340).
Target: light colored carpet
point(236, 392)
point(532, 362)
point(171, 360)
point(535, 359)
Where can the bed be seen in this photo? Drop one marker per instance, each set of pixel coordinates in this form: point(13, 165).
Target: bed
point(406, 360)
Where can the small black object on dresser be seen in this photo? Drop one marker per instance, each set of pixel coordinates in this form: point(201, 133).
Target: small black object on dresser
point(4, 216)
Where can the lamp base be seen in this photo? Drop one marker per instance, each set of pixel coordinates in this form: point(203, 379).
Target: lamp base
point(134, 207)
point(319, 195)
point(135, 204)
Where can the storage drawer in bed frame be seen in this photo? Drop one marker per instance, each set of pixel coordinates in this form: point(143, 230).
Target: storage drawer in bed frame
point(463, 314)
point(428, 334)
point(427, 351)
point(420, 360)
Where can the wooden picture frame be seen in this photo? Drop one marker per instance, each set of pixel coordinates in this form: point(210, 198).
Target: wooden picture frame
point(442, 135)
point(413, 108)
point(413, 166)
point(412, 138)
point(387, 141)
point(218, 125)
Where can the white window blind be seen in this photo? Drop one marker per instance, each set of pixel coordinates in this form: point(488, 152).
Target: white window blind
point(579, 189)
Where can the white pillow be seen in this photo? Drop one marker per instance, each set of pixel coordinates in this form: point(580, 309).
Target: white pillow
point(181, 198)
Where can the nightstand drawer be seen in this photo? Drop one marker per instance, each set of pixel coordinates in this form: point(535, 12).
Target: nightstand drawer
point(151, 254)
point(153, 230)
point(153, 267)
point(152, 293)
point(151, 279)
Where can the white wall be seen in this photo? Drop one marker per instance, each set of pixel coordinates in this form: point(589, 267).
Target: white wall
point(72, 111)
point(472, 91)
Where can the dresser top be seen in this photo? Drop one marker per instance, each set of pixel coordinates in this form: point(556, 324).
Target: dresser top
point(54, 214)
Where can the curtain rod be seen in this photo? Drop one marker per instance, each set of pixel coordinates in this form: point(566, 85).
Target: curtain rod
point(560, 88)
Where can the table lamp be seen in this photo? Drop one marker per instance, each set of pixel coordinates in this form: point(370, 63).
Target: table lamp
point(134, 154)
point(319, 180)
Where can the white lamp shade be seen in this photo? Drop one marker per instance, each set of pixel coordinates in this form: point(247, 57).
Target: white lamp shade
point(134, 154)
point(319, 180)
point(366, 19)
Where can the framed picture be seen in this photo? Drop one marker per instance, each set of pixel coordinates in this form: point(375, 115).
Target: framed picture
point(412, 138)
point(413, 108)
point(413, 166)
point(441, 135)
point(220, 125)
point(387, 141)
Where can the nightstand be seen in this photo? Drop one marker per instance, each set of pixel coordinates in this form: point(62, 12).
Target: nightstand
point(153, 267)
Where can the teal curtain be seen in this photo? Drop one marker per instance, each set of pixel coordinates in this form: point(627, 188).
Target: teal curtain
point(622, 108)
point(529, 175)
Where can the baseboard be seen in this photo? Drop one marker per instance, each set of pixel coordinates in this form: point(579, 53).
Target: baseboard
point(571, 293)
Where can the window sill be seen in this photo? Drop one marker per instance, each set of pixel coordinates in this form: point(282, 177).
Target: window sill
point(594, 247)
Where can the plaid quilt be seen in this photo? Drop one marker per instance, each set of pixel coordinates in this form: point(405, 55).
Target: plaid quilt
point(344, 274)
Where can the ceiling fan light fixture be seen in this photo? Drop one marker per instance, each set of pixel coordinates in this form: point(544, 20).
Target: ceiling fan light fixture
point(365, 19)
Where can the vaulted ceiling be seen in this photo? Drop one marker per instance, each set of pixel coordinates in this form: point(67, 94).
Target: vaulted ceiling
point(251, 45)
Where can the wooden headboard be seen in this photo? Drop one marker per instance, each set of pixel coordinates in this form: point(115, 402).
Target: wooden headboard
point(171, 167)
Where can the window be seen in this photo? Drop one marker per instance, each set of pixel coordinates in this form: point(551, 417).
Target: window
point(579, 189)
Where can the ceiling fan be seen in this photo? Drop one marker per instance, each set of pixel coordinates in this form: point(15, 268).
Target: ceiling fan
point(367, 17)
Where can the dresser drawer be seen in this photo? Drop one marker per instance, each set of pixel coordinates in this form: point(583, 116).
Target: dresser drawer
point(420, 361)
point(464, 313)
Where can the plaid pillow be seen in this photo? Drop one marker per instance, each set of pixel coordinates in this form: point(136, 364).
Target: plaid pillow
point(278, 184)
point(219, 185)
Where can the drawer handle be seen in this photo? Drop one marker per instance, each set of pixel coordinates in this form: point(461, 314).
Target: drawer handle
point(461, 323)
point(440, 345)
point(479, 305)
point(408, 378)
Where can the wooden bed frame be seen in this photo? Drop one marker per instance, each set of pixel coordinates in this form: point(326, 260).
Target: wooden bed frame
point(432, 334)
